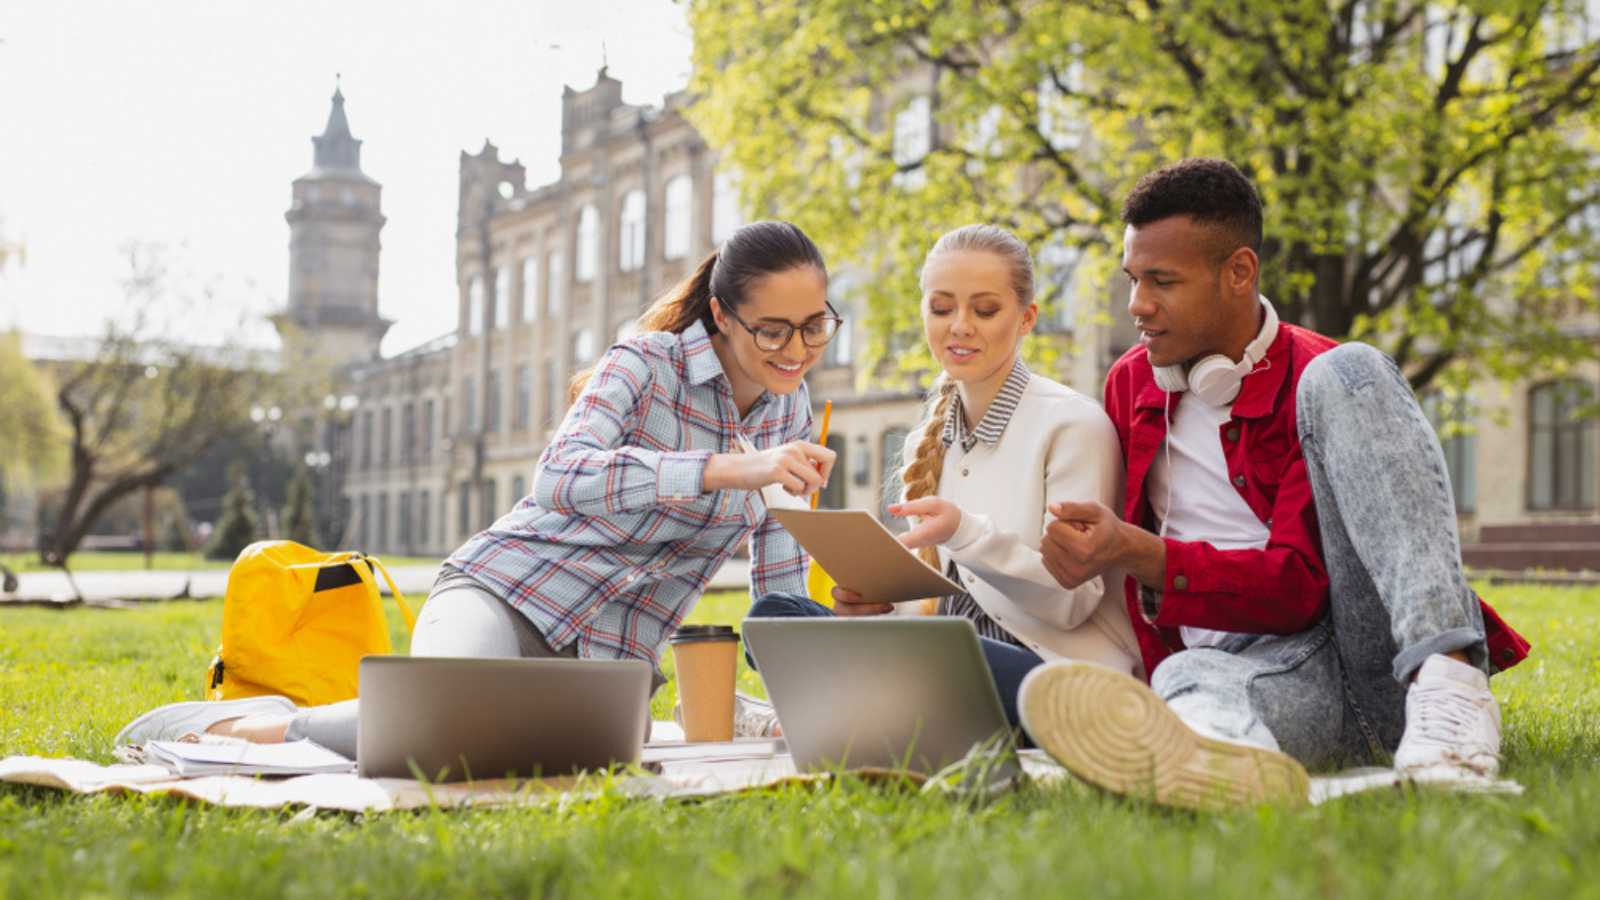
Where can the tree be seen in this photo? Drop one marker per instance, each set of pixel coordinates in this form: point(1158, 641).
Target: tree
point(143, 405)
point(176, 538)
point(299, 515)
point(1431, 169)
point(238, 527)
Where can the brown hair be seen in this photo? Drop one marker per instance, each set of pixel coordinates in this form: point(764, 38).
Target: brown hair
point(753, 252)
point(924, 462)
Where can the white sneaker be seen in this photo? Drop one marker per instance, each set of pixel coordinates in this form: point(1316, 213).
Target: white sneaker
point(1112, 731)
point(752, 716)
point(173, 721)
point(1452, 724)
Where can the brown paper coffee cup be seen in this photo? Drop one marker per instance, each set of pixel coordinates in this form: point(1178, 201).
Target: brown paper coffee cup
point(707, 658)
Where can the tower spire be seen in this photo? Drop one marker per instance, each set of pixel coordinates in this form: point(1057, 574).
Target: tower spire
point(336, 148)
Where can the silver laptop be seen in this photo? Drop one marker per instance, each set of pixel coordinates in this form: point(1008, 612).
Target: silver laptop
point(912, 693)
point(448, 719)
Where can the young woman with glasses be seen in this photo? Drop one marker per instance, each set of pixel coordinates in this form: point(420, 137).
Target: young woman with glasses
point(640, 498)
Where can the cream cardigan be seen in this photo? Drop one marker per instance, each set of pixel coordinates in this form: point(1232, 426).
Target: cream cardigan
point(1058, 445)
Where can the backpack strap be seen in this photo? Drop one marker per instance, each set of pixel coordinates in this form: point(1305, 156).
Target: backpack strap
point(399, 599)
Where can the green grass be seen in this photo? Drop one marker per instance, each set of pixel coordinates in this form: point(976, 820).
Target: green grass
point(118, 561)
point(69, 680)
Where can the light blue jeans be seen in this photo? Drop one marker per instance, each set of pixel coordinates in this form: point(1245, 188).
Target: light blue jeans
point(1335, 694)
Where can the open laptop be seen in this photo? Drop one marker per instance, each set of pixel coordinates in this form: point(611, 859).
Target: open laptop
point(889, 692)
point(448, 719)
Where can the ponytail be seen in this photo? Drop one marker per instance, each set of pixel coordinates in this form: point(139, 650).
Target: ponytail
point(753, 252)
point(925, 462)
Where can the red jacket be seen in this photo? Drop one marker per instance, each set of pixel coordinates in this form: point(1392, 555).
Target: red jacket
point(1282, 588)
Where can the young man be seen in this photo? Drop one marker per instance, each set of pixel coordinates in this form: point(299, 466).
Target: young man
point(1294, 572)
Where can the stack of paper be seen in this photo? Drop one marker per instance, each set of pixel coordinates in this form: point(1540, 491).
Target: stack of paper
point(192, 760)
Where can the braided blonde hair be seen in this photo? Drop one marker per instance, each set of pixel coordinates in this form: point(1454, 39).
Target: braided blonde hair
point(924, 461)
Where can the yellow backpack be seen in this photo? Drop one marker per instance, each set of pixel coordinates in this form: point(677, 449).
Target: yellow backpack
point(296, 622)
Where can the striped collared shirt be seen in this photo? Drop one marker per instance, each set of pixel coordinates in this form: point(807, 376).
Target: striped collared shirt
point(618, 538)
point(989, 430)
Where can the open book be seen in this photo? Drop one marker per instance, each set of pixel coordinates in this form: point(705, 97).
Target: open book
point(230, 756)
point(855, 549)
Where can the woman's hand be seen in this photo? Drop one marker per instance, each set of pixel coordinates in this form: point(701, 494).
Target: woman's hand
point(937, 521)
point(848, 604)
point(799, 467)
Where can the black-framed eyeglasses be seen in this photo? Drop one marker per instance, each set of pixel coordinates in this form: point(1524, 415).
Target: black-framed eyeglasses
point(775, 334)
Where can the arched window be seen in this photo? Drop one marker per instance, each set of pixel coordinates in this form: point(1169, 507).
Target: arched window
point(553, 292)
point(1561, 447)
point(588, 244)
point(475, 305)
point(530, 289)
point(891, 446)
point(726, 216)
point(502, 298)
point(631, 234)
point(677, 231)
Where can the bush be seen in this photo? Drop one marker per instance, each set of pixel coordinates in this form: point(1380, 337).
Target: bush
point(238, 527)
point(300, 515)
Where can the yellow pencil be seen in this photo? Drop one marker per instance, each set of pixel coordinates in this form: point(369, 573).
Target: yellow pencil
point(827, 411)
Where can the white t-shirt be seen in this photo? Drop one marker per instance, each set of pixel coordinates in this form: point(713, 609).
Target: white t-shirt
point(1205, 506)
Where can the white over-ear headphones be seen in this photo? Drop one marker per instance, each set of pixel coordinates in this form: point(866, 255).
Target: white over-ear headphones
point(1216, 379)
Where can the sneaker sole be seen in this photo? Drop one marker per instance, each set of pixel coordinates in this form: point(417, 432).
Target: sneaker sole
point(1112, 731)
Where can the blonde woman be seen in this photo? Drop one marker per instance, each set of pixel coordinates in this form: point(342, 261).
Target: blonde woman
point(998, 445)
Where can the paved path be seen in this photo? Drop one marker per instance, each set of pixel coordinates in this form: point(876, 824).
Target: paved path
point(117, 588)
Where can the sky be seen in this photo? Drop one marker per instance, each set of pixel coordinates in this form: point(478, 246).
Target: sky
point(180, 124)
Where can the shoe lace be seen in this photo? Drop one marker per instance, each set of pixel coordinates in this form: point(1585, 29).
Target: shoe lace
point(1442, 716)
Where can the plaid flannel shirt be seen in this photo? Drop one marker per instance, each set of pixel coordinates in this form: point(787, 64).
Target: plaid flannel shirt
point(619, 538)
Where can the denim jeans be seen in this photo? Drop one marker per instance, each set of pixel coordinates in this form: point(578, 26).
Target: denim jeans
point(1008, 663)
point(1335, 694)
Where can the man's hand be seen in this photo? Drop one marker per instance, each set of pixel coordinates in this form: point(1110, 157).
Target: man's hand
point(1081, 544)
point(1087, 539)
point(937, 521)
point(849, 604)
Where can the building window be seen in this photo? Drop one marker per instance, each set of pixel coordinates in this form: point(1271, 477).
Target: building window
point(833, 493)
point(631, 232)
point(530, 289)
point(519, 489)
point(582, 345)
point(491, 400)
point(491, 508)
point(464, 510)
point(519, 414)
point(469, 405)
point(383, 523)
point(424, 515)
point(366, 439)
point(426, 440)
point(552, 394)
point(1451, 415)
point(1561, 447)
point(502, 299)
point(726, 216)
point(554, 285)
point(588, 244)
point(913, 139)
point(385, 436)
point(403, 524)
point(677, 231)
point(891, 446)
point(408, 432)
point(363, 522)
point(841, 288)
point(475, 310)
point(1058, 278)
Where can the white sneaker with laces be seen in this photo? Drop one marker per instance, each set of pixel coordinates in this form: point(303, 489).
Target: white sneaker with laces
point(1452, 724)
point(173, 721)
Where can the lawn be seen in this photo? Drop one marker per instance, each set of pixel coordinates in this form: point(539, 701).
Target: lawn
point(121, 560)
point(69, 680)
